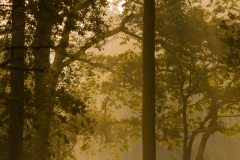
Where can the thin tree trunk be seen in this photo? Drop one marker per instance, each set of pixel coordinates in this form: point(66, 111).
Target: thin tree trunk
point(186, 154)
point(205, 138)
point(148, 111)
point(202, 146)
point(15, 151)
point(213, 113)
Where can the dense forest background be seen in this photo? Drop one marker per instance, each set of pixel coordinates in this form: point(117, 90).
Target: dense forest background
point(71, 79)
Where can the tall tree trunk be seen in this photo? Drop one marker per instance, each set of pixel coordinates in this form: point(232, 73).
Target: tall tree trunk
point(148, 111)
point(43, 79)
point(15, 151)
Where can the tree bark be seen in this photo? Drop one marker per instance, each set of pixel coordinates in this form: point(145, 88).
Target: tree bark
point(15, 150)
point(205, 138)
point(148, 111)
point(43, 80)
point(202, 146)
point(186, 153)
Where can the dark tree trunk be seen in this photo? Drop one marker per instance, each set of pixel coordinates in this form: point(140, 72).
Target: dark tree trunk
point(15, 151)
point(148, 111)
point(43, 79)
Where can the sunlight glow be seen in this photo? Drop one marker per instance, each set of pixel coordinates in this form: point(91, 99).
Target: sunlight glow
point(116, 7)
point(110, 5)
point(120, 6)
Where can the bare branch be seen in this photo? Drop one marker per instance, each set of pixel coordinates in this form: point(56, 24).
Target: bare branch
point(23, 69)
point(100, 37)
point(126, 31)
point(107, 35)
point(96, 64)
point(227, 116)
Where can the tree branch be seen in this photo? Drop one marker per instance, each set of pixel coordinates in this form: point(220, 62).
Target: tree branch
point(227, 116)
point(107, 35)
point(126, 31)
point(23, 69)
point(99, 38)
point(96, 64)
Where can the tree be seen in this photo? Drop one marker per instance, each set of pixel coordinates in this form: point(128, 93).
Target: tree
point(196, 81)
point(41, 51)
point(148, 111)
point(194, 91)
point(184, 34)
point(67, 20)
point(17, 81)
